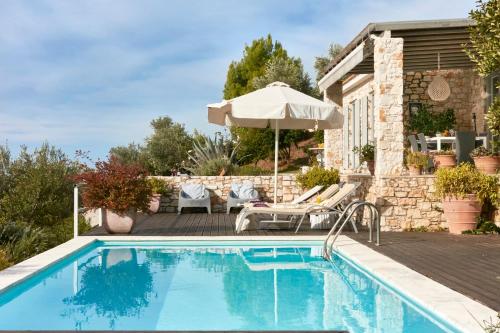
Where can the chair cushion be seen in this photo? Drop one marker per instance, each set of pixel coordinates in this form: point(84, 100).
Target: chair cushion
point(194, 191)
point(243, 190)
point(246, 190)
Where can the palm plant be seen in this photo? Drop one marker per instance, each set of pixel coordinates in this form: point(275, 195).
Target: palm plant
point(212, 157)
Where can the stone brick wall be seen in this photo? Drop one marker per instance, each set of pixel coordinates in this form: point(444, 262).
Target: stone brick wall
point(388, 103)
point(467, 95)
point(404, 202)
point(219, 188)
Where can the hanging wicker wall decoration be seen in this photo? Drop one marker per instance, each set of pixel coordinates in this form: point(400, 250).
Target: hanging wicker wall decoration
point(439, 90)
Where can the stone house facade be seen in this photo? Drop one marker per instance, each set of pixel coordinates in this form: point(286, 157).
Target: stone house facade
point(373, 81)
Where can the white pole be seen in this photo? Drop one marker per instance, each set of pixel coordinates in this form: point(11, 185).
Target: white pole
point(75, 211)
point(276, 147)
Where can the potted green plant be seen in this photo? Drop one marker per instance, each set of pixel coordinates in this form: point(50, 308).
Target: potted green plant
point(367, 154)
point(416, 161)
point(463, 190)
point(488, 160)
point(445, 159)
point(160, 188)
point(120, 190)
point(318, 176)
point(485, 160)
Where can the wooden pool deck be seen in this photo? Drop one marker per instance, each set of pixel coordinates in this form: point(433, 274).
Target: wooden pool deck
point(469, 264)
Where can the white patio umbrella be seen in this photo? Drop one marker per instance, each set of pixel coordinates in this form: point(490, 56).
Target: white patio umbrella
point(278, 106)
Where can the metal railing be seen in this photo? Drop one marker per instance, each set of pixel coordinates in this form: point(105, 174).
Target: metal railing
point(346, 217)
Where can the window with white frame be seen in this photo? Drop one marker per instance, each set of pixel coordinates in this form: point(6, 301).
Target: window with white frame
point(358, 129)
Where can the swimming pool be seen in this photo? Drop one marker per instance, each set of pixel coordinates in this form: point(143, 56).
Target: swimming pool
point(209, 286)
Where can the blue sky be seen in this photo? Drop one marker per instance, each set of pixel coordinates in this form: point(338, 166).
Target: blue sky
point(91, 75)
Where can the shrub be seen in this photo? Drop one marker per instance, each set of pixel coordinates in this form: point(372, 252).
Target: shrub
point(21, 241)
point(160, 186)
point(366, 152)
point(427, 122)
point(115, 186)
point(417, 159)
point(464, 179)
point(250, 170)
point(37, 187)
point(318, 176)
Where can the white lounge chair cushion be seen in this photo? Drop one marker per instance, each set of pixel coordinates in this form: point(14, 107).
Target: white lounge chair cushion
point(194, 191)
point(243, 190)
point(319, 221)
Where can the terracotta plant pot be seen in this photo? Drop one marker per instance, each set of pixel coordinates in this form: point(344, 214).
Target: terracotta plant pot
point(414, 170)
point(371, 167)
point(119, 223)
point(445, 161)
point(461, 214)
point(487, 164)
point(154, 204)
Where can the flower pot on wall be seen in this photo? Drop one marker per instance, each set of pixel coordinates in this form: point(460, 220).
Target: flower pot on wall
point(415, 170)
point(115, 223)
point(154, 204)
point(461, 214)
point(445, 161)
point(371, 167)
point(487, 164)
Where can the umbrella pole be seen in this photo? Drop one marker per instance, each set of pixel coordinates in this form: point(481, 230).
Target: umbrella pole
point(276, 147)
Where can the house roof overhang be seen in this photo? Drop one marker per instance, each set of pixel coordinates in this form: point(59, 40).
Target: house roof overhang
point(423, 40)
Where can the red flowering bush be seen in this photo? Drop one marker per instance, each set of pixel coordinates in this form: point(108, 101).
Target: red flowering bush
point(116, 187)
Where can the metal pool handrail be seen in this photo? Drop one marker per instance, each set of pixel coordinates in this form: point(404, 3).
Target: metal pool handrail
point(349, 211)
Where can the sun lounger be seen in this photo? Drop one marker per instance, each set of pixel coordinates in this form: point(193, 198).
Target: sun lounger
point(329, 206)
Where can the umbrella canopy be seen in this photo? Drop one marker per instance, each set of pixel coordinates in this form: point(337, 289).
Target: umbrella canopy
point(277, 106)
point(277, 101)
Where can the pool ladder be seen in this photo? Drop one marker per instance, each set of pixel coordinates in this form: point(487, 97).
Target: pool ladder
point(344, 218)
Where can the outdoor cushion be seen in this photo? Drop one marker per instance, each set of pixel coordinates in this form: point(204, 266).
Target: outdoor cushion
point(243, 190)
point(246, 190)
point(194, 191)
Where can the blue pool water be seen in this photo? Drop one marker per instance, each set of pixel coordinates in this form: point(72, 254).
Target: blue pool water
point(162, 286)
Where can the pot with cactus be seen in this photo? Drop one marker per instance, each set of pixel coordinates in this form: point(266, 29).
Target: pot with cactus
point(120, 190)
point(160, 188)
point(445, 159)
point(416, 162)
point(463, 190)
point(367, 154)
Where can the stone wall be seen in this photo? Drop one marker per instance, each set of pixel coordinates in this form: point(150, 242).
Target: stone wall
point(405, 202)
point(219, 188)
point(388, 104)
point(467, 95)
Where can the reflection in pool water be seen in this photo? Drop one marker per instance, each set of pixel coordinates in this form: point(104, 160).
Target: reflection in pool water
point(167, 288)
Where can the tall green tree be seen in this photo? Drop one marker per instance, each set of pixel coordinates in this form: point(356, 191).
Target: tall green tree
point(131, 154)
point(264, 61)
point(167, 148)
point(241, 74)
point(485, 37)
point(321, 62)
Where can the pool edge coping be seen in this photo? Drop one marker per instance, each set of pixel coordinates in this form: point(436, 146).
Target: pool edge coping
point(457, 309)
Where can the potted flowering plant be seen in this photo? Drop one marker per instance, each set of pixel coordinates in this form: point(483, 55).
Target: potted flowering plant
point(416, 161)
point(160, 187)
point(463, 190)
point(445, 159)
point(120, 190)
point(367, 154)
